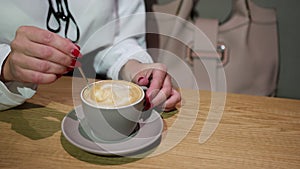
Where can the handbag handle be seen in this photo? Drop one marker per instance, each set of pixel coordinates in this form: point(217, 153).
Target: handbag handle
point(242, 6)
point(180, 8)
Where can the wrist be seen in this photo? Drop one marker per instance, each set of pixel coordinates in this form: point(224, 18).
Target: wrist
point(5, 73)
point(129, 70)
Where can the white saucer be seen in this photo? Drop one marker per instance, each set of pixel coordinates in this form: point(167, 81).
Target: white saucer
point(148, 134)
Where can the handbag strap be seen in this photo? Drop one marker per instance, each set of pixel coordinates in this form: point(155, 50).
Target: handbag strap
point(244, 11)
point(180, 8)
point(255, 13)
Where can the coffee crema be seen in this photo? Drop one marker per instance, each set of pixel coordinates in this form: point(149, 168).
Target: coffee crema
point(112, 93)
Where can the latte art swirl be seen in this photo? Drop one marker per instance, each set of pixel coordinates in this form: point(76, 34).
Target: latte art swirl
point(113, 94)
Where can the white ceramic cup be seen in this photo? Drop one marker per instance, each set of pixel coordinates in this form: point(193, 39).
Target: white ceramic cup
point(112, 109)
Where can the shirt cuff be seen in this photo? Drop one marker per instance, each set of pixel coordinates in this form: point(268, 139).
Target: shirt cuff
point(4, 51)
point(15, 93)
point(130, 51)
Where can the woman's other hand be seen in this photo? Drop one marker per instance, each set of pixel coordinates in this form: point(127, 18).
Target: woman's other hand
point(39, 56)
point(160, 90)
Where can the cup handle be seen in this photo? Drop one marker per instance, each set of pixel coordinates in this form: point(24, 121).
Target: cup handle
point(145, 113)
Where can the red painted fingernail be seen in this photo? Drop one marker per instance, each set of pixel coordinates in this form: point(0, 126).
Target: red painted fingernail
point(69, 69)
point(58, 76)
point(147, 105)
point(76, 53)
point(73, 62)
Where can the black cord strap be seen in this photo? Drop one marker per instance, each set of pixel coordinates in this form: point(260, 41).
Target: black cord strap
point(62, 14)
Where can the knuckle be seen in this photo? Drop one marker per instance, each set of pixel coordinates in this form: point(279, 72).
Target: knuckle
point(46, 52)
point(15, 44)
point(18, 42)
point(13, 60)
point(161, 67)
point(43, 66)
point(22, 29)
point(47, 37)
point(36, 78)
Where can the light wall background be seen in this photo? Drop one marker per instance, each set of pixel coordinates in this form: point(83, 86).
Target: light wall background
point(288, 14)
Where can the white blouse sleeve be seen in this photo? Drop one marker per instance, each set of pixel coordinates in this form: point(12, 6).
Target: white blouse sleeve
point(13, 93)
point(129, 42)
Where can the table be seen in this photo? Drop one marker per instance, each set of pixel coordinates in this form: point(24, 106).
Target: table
point(254, 132)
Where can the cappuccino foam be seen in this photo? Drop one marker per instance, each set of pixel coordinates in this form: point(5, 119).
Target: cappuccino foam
point(113, 94)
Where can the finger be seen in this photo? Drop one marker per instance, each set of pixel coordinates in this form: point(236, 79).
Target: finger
point(164, 92)
point(48, 38)
point(48, 53)
point(39, 65)
point(30, 76)
point(172, 101)
point(156, 83)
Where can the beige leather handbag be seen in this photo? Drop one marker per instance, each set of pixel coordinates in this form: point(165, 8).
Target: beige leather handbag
point(246, 48)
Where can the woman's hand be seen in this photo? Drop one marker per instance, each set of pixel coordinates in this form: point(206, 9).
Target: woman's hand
point(39, 56)
point(160, 90)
